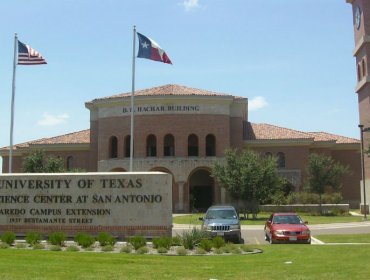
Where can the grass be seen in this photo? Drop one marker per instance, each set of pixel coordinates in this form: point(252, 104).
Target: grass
point(344, 238)
point(277, 262)
point(193, 219)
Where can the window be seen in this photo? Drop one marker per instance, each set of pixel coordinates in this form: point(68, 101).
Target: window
point(169, 146)
point(280, 160)
point(193, 145)
point(113, 151)
point(69, 163)
point(151, 146)
point(358, 72)
point(210, 145)
point(363, 64)
point(127, 146)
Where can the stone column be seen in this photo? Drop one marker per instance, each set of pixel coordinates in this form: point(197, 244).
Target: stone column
point(180, 204)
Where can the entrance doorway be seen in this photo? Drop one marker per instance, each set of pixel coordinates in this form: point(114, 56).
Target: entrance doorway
point(201, 190)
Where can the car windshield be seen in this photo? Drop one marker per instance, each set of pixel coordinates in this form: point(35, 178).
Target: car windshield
point(287, 219)
point(221, 214)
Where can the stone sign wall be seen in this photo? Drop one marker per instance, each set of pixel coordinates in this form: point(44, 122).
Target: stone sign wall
point(123, 204)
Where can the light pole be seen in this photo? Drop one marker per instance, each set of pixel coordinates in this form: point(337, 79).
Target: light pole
point(362, 130)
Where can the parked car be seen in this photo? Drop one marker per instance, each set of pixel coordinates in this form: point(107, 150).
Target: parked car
point(222, 221)
point(287, 228)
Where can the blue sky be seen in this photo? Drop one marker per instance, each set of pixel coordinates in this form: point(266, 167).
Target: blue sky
point(291, 58)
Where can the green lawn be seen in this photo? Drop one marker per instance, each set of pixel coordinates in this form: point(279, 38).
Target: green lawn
point(344, 238)
point(262, 217)
point(276, 262)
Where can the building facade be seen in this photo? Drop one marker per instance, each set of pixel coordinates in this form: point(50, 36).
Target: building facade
point(361, 27)
point(184, 131)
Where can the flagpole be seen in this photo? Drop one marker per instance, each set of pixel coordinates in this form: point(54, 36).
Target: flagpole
point(132, 103)
point(12, 105)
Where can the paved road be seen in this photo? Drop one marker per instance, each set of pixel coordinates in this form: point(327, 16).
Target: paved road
point(255, 234)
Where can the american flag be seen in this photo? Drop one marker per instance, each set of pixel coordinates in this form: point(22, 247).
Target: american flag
point(29, 56)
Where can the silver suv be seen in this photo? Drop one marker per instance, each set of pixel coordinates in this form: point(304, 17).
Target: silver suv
point(222, 221)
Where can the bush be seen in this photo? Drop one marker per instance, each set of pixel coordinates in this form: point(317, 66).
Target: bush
point(55, 248)
point(200, 251)
point(164, 242)
point(38, 246)
point(246, 248)
point(137, 242)
point(8, 238)
point(20, 245)
point(181, 251)
point(190, 239)
point(33, 238)
point(107, 248)
point(72, 248)
point(57, 238)
point(84, 240)
point(126, 249)
point(105, 238)
point(218, 242)
point(162, 250)
point(176, 241)
point(4, 245)
point(206, 245)
point(142, 250)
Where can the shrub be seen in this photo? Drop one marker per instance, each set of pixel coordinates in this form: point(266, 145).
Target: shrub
point(218, 242)
point(190, 239)
point(20, 245)
point(4, 245)
point(33, 238)
point(200, 251)
point(126, 249)
point(38, 246)
point(105, 238)
point(162, 250)
point(206, 245)
point(84, 240)
point(142, 250)
point(137, 241)
point(107, 248)
point(164, 242)
point(72, 248)
point(55, 248)
point(57, 238)
point(181, 251)
point(8, 238)
point(176, 241)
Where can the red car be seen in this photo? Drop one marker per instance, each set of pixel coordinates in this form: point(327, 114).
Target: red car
point(287, 228)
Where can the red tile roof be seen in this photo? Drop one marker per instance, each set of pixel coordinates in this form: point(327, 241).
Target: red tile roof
point(264, 131)
point(170, 89)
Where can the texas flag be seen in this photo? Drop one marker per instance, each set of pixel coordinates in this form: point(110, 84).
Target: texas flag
point(151, 50)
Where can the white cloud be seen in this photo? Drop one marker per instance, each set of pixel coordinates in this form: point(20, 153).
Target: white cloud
point(50, 120)
point(190, 4)
point(257, 103)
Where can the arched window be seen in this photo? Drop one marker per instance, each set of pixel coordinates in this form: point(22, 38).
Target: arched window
point(113, 147)
point(69, 163)
point(169, 146)
point(210, 145)
point(280, 160)
point(363, 64)
point(193, 150)
point(127, 146)
point(151, 146)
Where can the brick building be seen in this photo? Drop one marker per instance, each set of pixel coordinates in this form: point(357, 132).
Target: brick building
point(184, 131)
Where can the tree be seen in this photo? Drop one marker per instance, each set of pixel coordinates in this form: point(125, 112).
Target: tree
point(324, 173)
point(248, 177)
point(38, 162)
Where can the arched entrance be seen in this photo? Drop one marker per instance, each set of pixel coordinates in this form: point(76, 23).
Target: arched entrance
point(201, 190)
